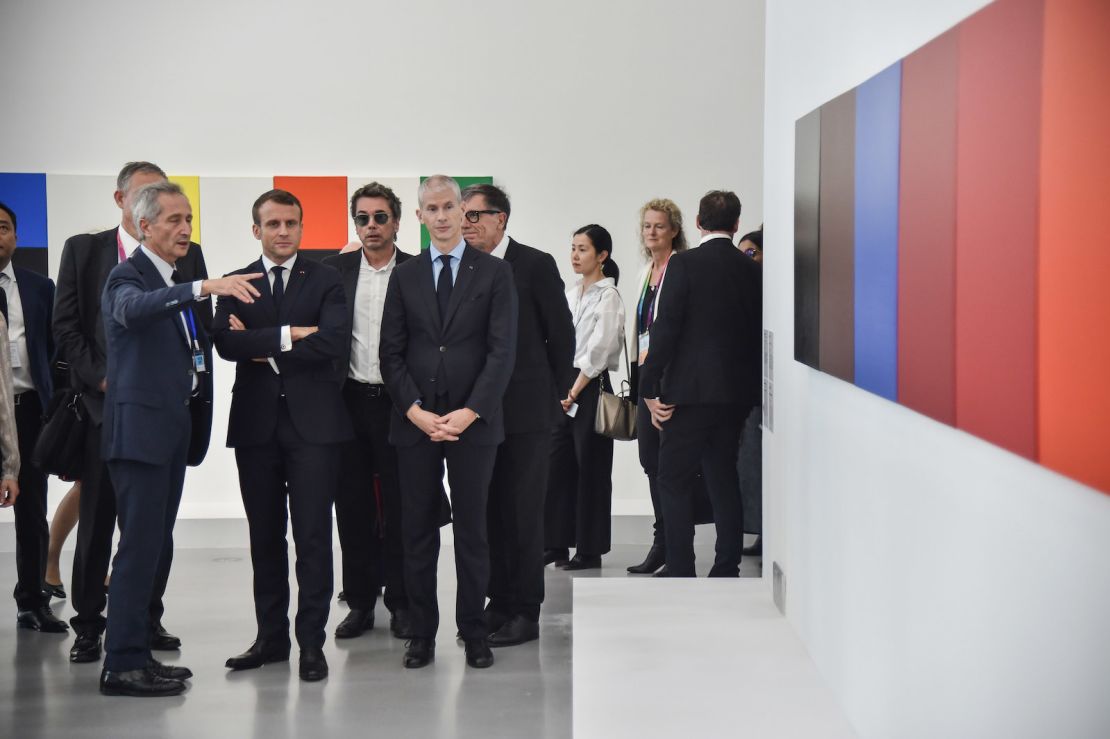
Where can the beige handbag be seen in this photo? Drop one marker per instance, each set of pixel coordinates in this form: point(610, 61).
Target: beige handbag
point(616, 414)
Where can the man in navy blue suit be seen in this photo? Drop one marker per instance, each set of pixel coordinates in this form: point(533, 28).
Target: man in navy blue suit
point(159, 366)
point(27, 302)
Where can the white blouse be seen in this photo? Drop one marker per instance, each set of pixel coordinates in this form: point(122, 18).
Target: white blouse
point(598, 326)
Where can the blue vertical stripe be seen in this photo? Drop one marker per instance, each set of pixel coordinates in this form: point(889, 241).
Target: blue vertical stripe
point(25, 193)
point(878, 117)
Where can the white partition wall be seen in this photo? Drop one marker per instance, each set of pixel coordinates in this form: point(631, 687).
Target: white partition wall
point(944, 587)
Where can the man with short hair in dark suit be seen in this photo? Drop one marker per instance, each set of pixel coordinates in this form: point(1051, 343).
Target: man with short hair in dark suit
point(543, 373)
point(448, 344)
point(368, 498)
point(27, 302)
point(701, 379)
point(159, 363)
point(287, 425)
point(79, 337)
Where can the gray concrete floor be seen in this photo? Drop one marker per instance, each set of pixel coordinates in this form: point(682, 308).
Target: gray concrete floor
point(526, 693)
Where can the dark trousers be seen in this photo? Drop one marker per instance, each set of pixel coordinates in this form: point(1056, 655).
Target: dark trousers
point(368, 503)
point(288, 479)
point(580, 486)
point(515, 515)
point(96, 525)
point(647, 444)
point(469, 469)
point(749, 466)
point(705, 436)
point(32, 536)
point(147, 499)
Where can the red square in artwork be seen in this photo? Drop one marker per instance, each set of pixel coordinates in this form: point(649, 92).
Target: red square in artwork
point(325, 209)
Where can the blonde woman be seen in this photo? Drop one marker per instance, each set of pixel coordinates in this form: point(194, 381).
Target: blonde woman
point(580, 485)
point(661, 236)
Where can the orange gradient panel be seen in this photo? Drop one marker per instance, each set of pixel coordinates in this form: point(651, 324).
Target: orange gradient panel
point(324, 200)
point(1074, 261)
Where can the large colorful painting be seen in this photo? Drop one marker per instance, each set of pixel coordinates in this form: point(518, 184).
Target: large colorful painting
point(951, 249)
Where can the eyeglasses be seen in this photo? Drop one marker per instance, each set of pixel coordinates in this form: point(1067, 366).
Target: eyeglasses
point(474, 215)
point(362, 220)
point(751, 252)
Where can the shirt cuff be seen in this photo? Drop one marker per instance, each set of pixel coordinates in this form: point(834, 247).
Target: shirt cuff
point(196, 290)
point(286, 339)
point(273, 365)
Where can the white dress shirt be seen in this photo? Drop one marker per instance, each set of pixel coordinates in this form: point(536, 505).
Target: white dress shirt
point(500, 249)
point(366, 333)
point(286, 342)
point(17, 334)
point(127, 241)
point(598, 314)
point(714, 235)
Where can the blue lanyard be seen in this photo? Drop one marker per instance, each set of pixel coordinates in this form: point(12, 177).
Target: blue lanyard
point(192, 327)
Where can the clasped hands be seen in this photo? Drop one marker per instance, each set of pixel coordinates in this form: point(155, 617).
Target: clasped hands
point(296, 333)
point(660, 412)
point(448, 427)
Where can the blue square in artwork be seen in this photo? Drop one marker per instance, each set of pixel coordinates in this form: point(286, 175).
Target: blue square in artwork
point(25, 193)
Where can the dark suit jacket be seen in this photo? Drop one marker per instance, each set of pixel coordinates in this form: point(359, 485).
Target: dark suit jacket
point(706, 344)
point(349, 265)
point(313, 296)
point(36, 294)
point(544, 369)
point(149, 364)
point(78, 331)
point(473, 350)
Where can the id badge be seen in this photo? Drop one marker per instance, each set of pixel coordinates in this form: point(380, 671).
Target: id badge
point(198, 362)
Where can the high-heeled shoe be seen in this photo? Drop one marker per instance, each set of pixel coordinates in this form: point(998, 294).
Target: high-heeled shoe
point(656, 558)
point(53, 591)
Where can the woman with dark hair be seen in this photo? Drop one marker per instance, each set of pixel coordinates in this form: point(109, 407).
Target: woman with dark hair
point(661, 236)
point(580, 484)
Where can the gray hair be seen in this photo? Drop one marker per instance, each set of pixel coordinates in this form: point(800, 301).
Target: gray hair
point(123, 180)
point(146, 205)
point(438, 182)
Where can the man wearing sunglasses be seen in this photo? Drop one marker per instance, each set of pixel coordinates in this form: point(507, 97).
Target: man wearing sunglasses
point(543, 374)
point(368, 499)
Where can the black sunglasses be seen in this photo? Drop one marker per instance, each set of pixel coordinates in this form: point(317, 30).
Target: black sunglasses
point(474, 215)
point(751, 252)
point(363, 219)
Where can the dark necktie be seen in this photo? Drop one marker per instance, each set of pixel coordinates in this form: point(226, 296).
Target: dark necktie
point(4, 296)
point(279, 286)
point(175, 277)
point(443, 285)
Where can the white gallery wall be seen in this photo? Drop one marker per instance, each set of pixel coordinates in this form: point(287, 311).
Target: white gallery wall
point(581, 110)
point(944, 587)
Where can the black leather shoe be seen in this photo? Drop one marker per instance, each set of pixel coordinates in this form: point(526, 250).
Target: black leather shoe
point(419, 652)
point(162, 640)
point(41, 619)
point(86, 648)
point(584, 562)
point(478, 653)
point(50, 590)
point(313, 665)
point(755, 550)
point(169, 672)
point(494, 620)
point(355, 624)
point(557, 557)
point(656, 558)
point(260, 653)
point(516, 630)
point(139, 683)
point(400, 624)
point(662, 573)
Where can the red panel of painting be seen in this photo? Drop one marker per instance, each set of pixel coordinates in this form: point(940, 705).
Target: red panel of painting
point(324, 200)
point(998, 141)
point(1074, 320)
point(927, 230)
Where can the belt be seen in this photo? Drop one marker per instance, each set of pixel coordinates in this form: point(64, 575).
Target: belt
point(367, 389)
point(25, 396)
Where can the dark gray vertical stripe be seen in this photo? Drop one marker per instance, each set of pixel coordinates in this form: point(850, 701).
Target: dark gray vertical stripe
point(807, 252)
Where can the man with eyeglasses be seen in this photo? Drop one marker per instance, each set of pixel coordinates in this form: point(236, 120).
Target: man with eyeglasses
point(368, 499)
point(543, 373)
point(448, 344)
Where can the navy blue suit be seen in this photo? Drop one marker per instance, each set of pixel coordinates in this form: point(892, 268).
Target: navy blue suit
point(145, 441)
point(32, 536)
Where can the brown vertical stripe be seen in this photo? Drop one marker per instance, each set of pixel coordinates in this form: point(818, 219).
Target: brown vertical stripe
point(807, 257)
point(837, 236)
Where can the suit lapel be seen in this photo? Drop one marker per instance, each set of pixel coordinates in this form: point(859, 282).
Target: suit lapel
point(262, 284)
point(427, 286)
point(294, 282)
point(351, 269)
point(463, 280)
point(154, 281)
